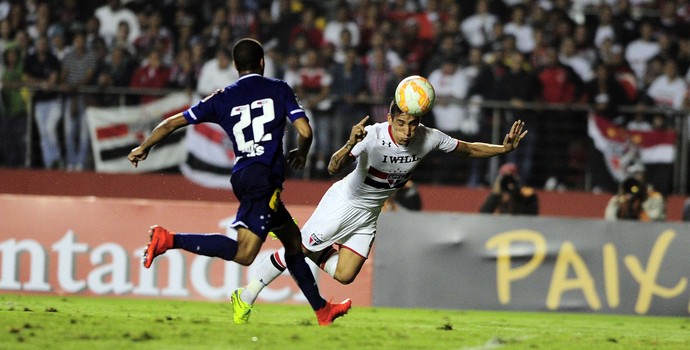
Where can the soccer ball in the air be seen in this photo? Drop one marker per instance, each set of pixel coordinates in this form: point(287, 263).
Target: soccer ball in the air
point(415, 95)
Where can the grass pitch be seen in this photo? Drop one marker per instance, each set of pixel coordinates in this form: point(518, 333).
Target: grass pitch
point(53, 322)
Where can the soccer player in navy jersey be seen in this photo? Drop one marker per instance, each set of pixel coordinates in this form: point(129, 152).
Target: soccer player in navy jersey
point(253, 112)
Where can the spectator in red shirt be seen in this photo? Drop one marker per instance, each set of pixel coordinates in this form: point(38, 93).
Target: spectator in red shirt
point(156, 37)
point(559, 83)
point(152, 74)
point(308, 26)
point(314, 89)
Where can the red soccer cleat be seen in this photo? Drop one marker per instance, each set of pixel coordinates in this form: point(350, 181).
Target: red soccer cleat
point(327, 314)
point(160, 240)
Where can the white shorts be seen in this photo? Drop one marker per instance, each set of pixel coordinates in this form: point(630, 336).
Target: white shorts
point(335, 221)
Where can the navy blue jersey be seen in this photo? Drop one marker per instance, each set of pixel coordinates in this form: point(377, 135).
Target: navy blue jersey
point(253, 112)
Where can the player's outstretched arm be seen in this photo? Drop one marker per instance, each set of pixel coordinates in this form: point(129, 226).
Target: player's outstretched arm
point(485, 150)
point(342, 158)
point(165, 128)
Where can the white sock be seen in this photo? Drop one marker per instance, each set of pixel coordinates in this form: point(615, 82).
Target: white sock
point(331, 264)
point(251, 291)
point(331, 260)
point(264, 273)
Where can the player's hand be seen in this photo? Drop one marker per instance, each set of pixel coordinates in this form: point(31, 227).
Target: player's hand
point(136, 155)
point(358, 132)
point(513, 138)
point(296, 159)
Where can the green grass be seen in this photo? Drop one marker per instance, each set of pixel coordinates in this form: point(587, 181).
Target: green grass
point(53, 322)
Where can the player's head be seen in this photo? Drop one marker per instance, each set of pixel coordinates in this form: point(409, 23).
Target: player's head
point(403, 125)
point(248, 55)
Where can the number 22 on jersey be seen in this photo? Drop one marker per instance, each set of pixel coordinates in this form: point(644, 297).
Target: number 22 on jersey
point(251, 147)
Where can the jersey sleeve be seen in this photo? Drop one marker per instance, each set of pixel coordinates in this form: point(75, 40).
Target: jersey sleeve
point(442, 141)
point(365, 144)
point(292, 106)
point(203, 111)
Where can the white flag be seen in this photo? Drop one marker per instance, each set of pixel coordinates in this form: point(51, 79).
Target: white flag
point(115, 131)
point(210, 156)
point(622, 147)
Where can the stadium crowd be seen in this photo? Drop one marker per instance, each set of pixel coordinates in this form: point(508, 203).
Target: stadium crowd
point(344, 60)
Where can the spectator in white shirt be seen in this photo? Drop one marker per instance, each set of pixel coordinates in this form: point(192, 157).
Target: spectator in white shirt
point(379, 41)
point(522, 31)
point(111, 14)
point(668, 89)
point(605, 28)
point(477, 27)
point(333, 30)
point(450, 116)
point(640, 51)
point(216, 73)
point(569, 57)
point(451, 86)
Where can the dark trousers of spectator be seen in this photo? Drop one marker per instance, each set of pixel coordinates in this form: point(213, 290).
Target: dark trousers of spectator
point(12, 141)
point(523, 156)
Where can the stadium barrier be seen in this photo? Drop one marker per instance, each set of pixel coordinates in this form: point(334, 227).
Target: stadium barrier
point(297, 192)
point(93, 246)
point(476, 261)
point(83, 233)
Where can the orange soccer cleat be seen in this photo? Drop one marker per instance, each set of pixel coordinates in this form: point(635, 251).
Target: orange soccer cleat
point(327, 314)
point(160, 240)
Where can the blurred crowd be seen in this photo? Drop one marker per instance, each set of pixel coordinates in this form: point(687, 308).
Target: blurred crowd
point(344, 60)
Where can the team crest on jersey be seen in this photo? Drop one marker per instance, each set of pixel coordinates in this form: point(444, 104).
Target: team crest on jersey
point(314, 239)
point(395, 179)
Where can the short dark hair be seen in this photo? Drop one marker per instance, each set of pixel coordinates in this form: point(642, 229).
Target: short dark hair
point(247, 55)
point(394, 109)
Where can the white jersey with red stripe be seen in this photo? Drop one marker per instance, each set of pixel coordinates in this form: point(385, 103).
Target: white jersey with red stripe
point(384, 166)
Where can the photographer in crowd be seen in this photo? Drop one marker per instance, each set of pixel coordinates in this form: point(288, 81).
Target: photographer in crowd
point(508, 196)
point(636, 199)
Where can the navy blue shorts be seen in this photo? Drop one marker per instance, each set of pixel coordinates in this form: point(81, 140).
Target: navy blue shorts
point(261, 209)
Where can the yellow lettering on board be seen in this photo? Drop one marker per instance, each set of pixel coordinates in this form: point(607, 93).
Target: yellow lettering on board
point(647, 278)
point(611, 275)
point(505, 274)
point(560, 283)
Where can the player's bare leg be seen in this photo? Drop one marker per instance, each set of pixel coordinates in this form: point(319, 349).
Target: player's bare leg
point(248, 246)
point(347, 265)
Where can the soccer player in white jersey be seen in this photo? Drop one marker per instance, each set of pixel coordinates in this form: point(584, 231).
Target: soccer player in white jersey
point(339, 234)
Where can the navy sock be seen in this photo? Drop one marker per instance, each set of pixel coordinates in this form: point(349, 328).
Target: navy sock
point(213, 245)
point(305, 280)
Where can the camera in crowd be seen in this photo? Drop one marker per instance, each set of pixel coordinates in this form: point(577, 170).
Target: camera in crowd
point(509, 184)
point(634, 193)
point(634, 188)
